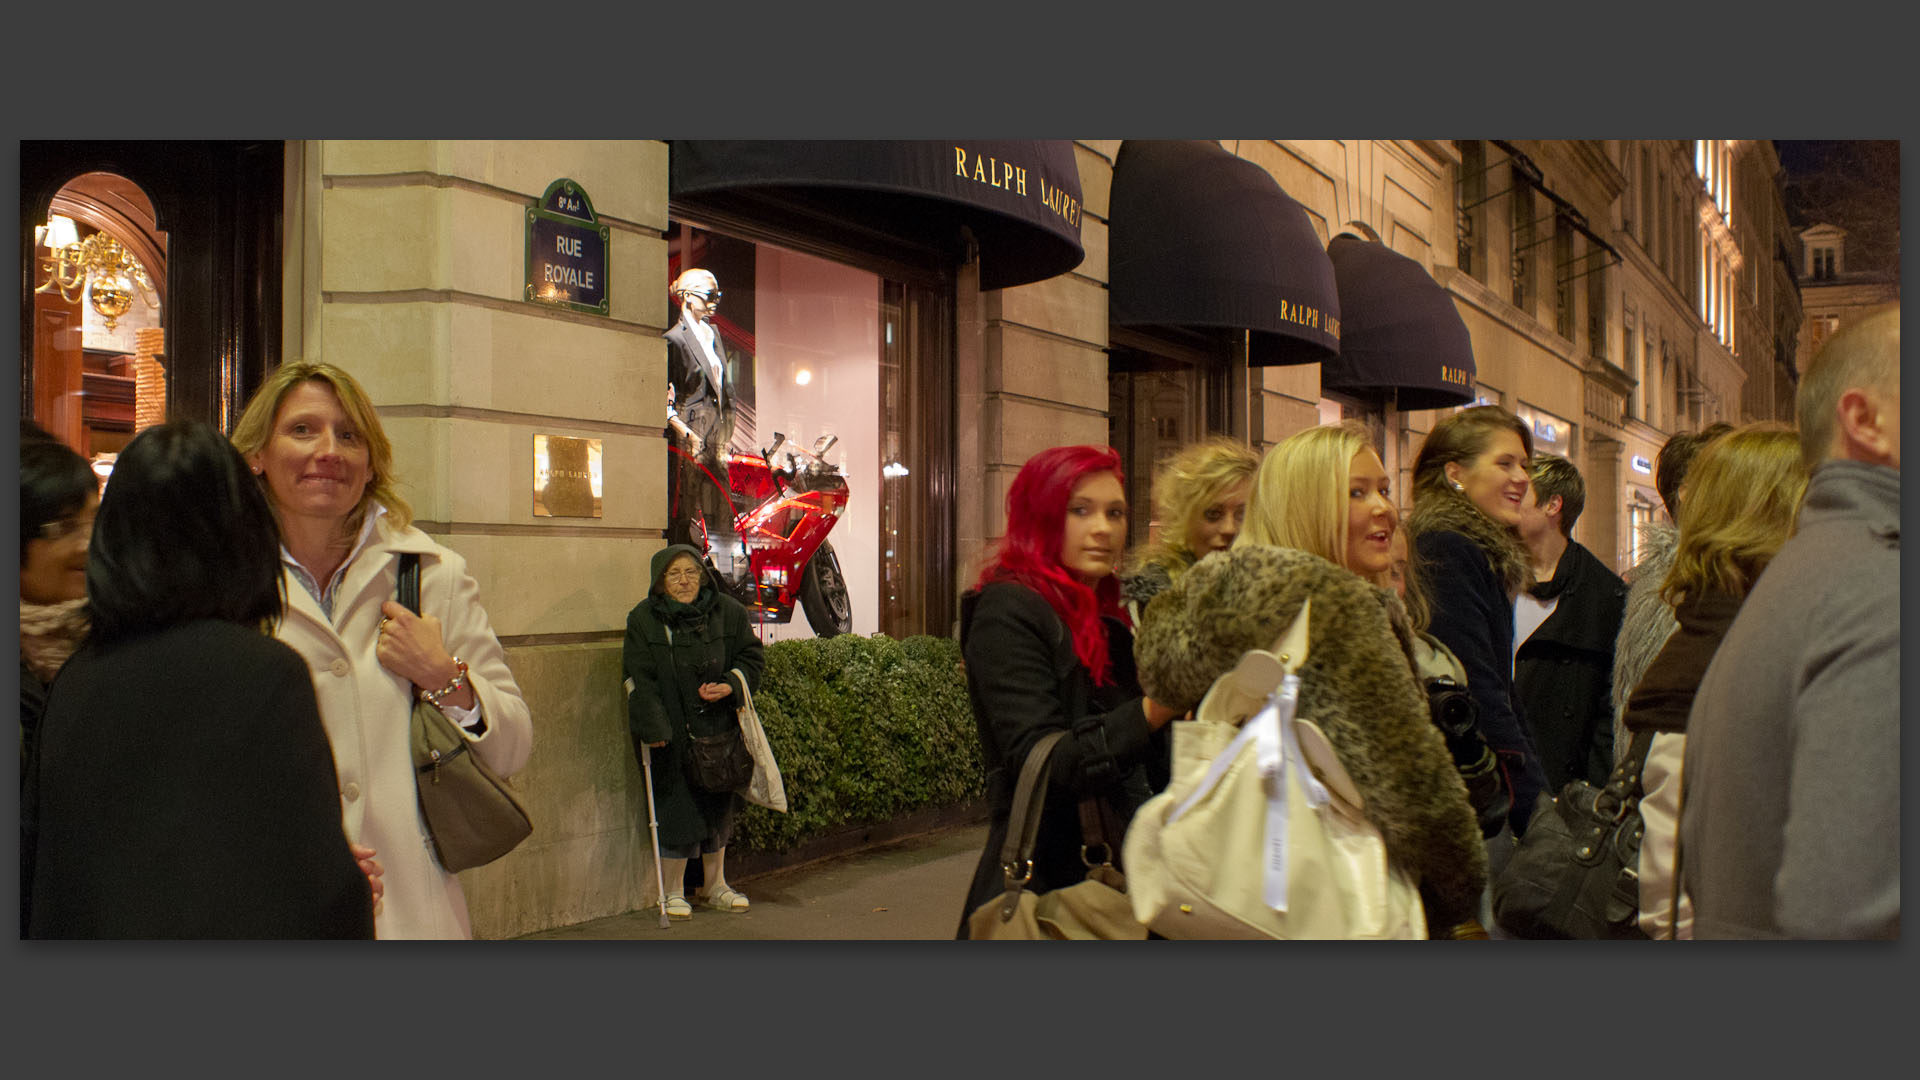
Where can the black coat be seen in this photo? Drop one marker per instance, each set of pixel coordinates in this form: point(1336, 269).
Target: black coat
point(1025, 680)
point(666, 671)
point(1563, 672)
point(1473, 617)
point(184, 788)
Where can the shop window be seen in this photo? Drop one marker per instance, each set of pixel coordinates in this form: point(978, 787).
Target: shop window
point(1640, 511)
point(821, 350)
point(1551, 434)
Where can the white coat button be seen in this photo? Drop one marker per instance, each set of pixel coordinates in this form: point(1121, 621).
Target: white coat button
point(338, 667)
point(351, 791)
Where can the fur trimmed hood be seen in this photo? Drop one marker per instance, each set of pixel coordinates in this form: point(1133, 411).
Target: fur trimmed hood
point(1448, 511)
point(1357, 686)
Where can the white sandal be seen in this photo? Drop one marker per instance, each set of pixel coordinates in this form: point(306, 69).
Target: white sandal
point(678, 908)
point(727, 899)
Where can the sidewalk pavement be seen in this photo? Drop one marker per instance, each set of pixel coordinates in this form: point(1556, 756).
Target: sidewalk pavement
point(908, 890)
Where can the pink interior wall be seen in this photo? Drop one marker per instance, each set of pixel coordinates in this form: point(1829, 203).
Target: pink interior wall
point(823, 318)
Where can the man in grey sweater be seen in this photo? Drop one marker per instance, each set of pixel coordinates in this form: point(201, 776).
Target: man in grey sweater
point(1790, 812)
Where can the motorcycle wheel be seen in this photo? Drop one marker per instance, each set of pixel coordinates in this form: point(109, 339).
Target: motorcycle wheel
point(823, 594)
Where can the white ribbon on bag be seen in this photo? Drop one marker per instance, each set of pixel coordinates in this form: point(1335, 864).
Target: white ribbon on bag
point(1272, 733)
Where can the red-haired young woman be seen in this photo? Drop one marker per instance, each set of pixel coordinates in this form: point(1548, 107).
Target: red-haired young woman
point(1048, 648)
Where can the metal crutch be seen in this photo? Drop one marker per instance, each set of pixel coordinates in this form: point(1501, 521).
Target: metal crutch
point(653, 826)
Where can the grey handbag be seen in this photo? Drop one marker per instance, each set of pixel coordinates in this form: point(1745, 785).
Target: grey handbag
point(474, 817)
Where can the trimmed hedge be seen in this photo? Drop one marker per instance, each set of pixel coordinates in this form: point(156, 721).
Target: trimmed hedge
point(866, 729)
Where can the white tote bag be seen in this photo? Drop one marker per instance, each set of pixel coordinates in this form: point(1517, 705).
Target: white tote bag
point(766, 788)
point(1260, 833)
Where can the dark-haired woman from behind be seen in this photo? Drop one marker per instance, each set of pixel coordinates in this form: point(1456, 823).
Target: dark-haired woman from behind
point(1048, 649)
point(183, 783)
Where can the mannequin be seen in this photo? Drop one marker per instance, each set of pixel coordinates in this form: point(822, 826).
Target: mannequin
point(699, 411)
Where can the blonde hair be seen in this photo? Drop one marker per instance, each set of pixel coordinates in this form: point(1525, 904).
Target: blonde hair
point(255, 429)
point(1300, 493)
point(1743, 496)
point(1186, 484)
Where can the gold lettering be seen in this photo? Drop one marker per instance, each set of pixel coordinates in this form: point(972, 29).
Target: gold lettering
point(993, 173)
point(1023, 181)
point(1006, 174)
point(1284, 316)
point(979, 171)
point(960, 162)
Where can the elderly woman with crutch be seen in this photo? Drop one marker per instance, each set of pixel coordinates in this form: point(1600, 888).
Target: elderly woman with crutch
point(690, 660)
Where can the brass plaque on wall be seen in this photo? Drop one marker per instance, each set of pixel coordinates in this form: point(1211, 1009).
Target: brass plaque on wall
point(566, 477)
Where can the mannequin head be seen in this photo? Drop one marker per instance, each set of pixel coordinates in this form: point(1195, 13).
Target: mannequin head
point(698, 293)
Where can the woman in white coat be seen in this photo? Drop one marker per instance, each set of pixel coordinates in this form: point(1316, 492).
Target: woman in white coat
point(315, 442)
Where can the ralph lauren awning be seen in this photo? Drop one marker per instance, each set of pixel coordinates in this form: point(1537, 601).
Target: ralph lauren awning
point(1021, 200)
point(1400, 336)
point(1201, 238)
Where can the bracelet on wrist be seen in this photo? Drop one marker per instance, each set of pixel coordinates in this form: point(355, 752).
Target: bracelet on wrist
point(459, 680)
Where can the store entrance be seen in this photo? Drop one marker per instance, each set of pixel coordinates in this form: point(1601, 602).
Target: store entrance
point(1161, 395)
point(152, 286)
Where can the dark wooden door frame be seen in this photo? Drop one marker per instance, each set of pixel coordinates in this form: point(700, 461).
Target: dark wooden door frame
point(220, 205)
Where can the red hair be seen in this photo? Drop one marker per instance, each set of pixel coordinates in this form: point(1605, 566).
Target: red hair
point(1030, 551)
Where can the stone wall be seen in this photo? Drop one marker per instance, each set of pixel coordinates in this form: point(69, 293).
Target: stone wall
point(406, 266)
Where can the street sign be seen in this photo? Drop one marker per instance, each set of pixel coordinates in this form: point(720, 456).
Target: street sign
point(567, 251)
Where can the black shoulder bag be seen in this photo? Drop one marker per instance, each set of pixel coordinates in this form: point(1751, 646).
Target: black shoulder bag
point(1576, 872)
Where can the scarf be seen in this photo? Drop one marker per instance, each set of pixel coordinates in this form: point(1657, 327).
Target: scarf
point(1664, 696)
point(679, 616)
point(49, 633)
point(1447, 510)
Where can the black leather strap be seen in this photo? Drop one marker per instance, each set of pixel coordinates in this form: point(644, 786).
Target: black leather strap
point(409, 590)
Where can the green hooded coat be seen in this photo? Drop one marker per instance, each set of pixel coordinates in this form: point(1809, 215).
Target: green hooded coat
point(671, 649)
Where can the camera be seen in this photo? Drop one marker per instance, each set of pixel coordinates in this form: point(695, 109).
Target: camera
point(1454, 712)
point(1458, 719)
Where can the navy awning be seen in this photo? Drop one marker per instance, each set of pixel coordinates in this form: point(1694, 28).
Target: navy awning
point(1201, 238)
point(1401, 338)
point(1020, 199)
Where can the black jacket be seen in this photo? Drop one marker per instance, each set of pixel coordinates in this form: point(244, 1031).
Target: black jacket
point(694, 392)
point(1563, 672)
point(184, 788)
point(1025, 680)
point(1473, 617)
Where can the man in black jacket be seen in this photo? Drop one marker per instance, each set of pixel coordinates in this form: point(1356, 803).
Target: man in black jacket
point(1564, 630)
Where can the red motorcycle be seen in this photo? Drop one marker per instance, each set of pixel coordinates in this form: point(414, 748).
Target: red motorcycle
point(777, 550)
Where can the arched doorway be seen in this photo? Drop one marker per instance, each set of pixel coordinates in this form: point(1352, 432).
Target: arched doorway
point(203, 220)
point(99, 330)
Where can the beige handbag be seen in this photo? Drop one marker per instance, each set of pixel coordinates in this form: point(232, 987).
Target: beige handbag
point(1093, 909)
point(766, 788)
point(1260, 833)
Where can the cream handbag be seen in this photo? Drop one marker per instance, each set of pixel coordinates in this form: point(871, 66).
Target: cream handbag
point(1260, 833)
point(766, 788)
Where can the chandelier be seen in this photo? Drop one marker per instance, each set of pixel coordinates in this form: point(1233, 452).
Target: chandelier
point(99, 266)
